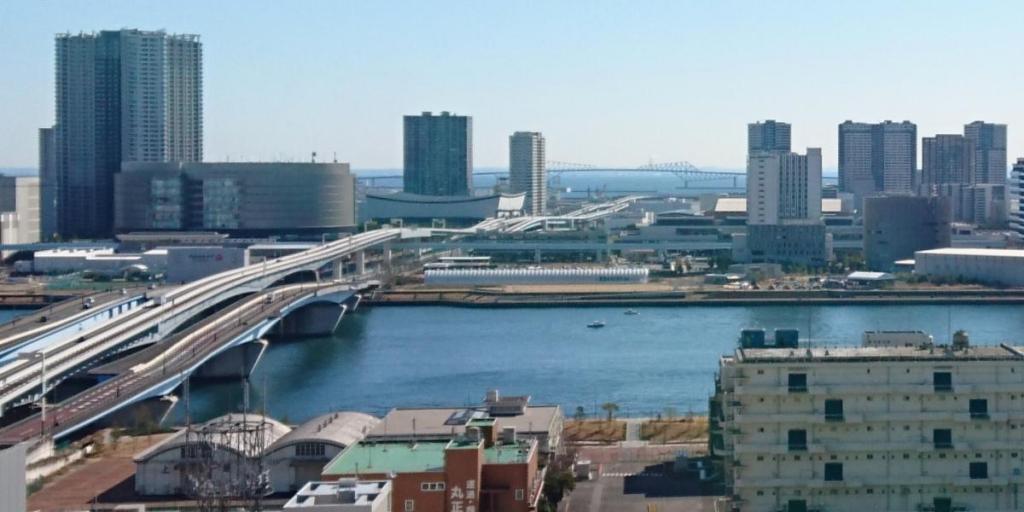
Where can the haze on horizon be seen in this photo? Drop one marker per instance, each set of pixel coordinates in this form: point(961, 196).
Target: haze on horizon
point(611, 83)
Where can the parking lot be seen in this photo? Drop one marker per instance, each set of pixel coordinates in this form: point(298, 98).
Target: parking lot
point(641, 479)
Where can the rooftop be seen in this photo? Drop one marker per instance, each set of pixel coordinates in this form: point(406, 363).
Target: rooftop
point(1001, 352)
point(964, 251)
point(388, 458)
point(328, 495)
point(738, 205)
point(224, 431)
point(447, 422)
point(343, 428)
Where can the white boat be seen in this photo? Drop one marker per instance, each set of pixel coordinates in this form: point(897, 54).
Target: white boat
point(596, 324)
point(632, 312)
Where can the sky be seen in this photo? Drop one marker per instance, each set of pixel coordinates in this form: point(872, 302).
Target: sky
point(617, 83)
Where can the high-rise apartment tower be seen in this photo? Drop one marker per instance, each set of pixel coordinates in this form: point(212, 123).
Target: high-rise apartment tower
point(438, 155)
point(121, 96)
point(526, 169)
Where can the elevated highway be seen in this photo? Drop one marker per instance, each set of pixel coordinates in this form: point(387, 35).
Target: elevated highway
point(167, 309)
point(231, 341)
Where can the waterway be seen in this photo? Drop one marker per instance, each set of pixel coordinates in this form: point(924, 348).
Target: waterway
point(663, 357)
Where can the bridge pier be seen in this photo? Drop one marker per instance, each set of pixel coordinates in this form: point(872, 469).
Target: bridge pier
point(233, 363)
point(360, 262)
point(317, 319)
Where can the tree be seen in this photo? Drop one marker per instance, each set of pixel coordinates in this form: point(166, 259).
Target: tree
point(610, 408)
point(581, 413)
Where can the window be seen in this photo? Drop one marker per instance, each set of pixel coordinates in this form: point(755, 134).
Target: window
point(798, 383)
point(796, 506)
point(310, 450)
point(797, 440)
point(943, 381)
point(410, 505)
point(833, 471)
point(942, 438)
point(979, 409)
point(979, 470)
point(833, 410)
point(943, 504)
point(432, 486)
point(520, 494)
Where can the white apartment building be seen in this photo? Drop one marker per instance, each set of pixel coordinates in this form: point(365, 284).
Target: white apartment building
point(896, 425)
point(783, 187)
point(527, 170)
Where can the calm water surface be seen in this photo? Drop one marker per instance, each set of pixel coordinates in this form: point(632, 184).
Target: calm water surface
point(663, 357)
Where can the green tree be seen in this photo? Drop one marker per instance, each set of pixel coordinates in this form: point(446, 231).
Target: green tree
point(610, 408)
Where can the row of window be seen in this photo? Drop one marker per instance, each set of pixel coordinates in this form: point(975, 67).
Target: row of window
point(942, 381)
point(975, 470)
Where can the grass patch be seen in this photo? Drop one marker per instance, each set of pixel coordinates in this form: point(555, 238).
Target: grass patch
point(675, 431)
point(594, 431)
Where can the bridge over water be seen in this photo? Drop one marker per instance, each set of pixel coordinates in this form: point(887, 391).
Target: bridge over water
point(228, 344)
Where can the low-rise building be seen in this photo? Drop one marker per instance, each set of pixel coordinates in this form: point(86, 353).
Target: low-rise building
point(299, 456)
point(541, 422)
point(231, 442)
point(343, 495)
point(900, 426)
point(97, 261)
point(477, 471)
point(185, 264)
point(1002, 267)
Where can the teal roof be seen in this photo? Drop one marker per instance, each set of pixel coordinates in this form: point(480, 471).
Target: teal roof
point(388, 458)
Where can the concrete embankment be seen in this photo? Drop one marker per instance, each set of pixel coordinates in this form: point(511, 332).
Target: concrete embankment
point(496, 298)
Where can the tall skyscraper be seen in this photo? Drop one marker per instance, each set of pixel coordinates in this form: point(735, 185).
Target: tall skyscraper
point(769, 135)
point(946, 160)
point(989, 142)
point(527, 171)
point(122, 96)
point(877, 158)
point(438, 155)
point(47, 184)
point(1016, 197)
point(783, 187)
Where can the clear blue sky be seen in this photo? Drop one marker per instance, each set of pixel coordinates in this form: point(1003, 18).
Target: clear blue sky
point(616, 83)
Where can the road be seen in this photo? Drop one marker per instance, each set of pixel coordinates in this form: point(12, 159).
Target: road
point(46, 319)
point(179, 355)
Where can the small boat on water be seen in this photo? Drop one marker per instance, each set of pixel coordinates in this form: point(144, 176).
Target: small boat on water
point(632, 312)
point(596, 324)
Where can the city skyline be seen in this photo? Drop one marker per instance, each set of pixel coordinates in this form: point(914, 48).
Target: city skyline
point(590, 83)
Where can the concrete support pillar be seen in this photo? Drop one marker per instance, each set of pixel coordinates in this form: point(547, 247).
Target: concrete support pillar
point(360, 262)
point(234, 363)
point(338, 268)
point(317, 319)
point(536, 255)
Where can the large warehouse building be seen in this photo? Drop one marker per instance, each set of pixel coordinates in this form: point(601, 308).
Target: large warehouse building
point(1003, 267)
point(253, 199)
